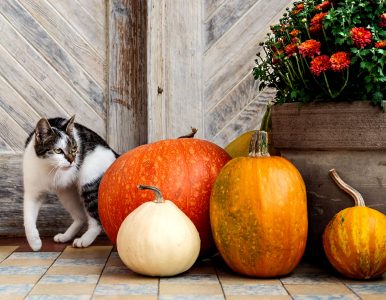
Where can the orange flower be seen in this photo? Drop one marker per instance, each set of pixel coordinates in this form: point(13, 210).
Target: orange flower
point(324, 5)
point(320, 64)
point(294, 33)
point(361, 36)
point(318, 18)
point(381, 44)
point(309, 48)
point(291, 49)
point(382, 23)
point(339, 61)
point(298, 8)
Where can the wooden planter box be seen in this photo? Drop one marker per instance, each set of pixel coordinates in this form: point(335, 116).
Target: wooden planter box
point(350, 137)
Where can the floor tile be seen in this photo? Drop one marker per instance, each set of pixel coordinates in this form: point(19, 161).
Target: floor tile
point(126, 289)
point(119, 278)
point(63, 289)
point(373, 297)
point(327, 297)
point(191, 297)
point(368, 288)
point(18, 270)
point(171, 289)
point(35, 255)
point(5, 251)
point(27, 262)
point(191, 279)
point(19, 279)
point(12, 297)
point(309, 278)
point(90, 279)
point(58, 297)
point(253, 289)
point(93, 252)
point(259, 297)
point(75, 270)
point(316, 289)
point(237, 279)
point(15, 289)
point(125, 297)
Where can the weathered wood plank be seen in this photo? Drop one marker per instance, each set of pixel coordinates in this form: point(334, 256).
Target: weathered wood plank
point(231, 105)
point(11, 132)
point(127, 81)
point(248, 119)
point(52, 218)
point(224, 18)
point(49, 79)
point(68, 38)
point(96, 9)
point(64, 63)
point(232, 58)
point(93, 32)
point(17, 108)
point(5, 148)
point(175, 74)
point(325, 126)
point(27, 87)
point(211, 6)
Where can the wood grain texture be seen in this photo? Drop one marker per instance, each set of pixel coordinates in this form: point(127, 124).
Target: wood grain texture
point(323, 126)
point(248, 118)
point(96, 9)
point(47, 77)
point(92, 31)
point(11, 132)
point(68, 38)
point(174, 68)
point(64, 63)
point(52, 218)
point(224, 18)
point(211, 6)
point(127, 117)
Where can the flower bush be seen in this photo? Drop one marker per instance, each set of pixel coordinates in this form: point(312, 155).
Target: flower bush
point(326, 50)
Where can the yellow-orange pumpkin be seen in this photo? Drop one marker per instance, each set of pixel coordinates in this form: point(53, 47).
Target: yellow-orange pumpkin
point(258, 213)
point(355, 239)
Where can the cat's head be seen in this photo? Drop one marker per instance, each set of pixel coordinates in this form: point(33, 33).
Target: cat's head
point(56, 144)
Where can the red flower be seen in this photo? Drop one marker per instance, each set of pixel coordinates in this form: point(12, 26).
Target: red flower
point(361, 36)
point(339, 61)
point(314, 29)
point(381, 44)
point(382, 23)
point(291, 49)
point(309, 48)
point(323, 6)
point(318, 18)
point(320, 64)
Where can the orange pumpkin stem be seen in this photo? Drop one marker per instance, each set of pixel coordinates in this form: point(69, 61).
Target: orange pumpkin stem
point(259, 144)
point(158, 194)
point(190, 135)
point(347, 188)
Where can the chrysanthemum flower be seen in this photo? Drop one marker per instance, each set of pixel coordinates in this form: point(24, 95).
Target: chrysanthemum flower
point(309, 48)
point(382, 23)
point(320, 64)
point(323, 6)
point(314, 29)
point(291, 49)
point(339, 61)
point(361, 36)
point(294, 33)
point(381, 44)
point(318, 18)
point(298, 8)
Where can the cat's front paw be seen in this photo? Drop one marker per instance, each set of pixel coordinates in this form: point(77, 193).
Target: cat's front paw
point(62, 238)
point(35, 243)
point(82, 242)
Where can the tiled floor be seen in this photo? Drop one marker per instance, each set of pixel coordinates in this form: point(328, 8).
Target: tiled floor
point(62, 272)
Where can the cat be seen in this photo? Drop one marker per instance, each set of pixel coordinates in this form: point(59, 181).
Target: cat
point(67, 159)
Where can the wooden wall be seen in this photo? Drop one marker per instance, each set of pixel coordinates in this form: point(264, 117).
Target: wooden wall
point(201, 55)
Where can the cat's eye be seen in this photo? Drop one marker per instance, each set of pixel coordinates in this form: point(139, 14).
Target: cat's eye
point(74, 149)
point(58, 150)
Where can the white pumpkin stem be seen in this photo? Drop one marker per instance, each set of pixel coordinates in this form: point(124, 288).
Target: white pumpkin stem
point(259, 144)
point(347, 188)
point(158, 195)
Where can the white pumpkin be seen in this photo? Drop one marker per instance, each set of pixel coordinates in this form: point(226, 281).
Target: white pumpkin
point(158, 239)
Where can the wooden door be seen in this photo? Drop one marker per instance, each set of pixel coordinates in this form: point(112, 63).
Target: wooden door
point(59, 58)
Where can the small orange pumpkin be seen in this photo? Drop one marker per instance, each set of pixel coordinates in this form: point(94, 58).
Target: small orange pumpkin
point(258, 213)
point(355, 239)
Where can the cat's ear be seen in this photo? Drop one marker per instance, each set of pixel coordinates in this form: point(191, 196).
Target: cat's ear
point(43, 130)
point(70, 125)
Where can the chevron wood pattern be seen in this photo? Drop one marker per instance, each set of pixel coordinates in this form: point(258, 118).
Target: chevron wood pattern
point(233, 30)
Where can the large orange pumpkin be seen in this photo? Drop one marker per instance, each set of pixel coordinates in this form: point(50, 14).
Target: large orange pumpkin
point(355, 239)
point(258, 213)
point(184, 169)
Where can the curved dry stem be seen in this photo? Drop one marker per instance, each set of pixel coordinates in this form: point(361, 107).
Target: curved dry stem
point(347, 188)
